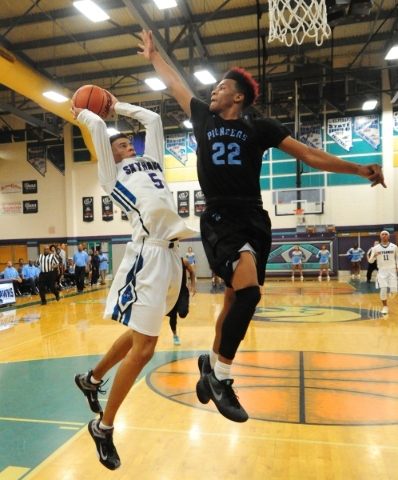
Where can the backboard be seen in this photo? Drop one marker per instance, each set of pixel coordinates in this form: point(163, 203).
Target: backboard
point(287, 202)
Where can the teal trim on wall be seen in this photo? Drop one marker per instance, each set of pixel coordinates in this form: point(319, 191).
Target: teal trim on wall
point(265, 169)
point(283, 168)
point(334, 179)
point(287, 181)
point(265, 183)
point(313, 180)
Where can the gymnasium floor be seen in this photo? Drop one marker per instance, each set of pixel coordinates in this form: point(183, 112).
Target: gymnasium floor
point(317, 373)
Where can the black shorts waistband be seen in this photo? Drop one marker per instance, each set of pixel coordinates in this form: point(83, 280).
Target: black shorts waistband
point(236, 202)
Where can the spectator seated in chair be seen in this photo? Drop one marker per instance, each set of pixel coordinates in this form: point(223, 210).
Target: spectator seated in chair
point(10, 273)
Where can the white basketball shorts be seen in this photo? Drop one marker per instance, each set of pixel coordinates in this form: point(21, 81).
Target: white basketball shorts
point(146, 286)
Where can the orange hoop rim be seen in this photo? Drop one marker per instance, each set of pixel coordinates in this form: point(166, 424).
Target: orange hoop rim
point(299, 211)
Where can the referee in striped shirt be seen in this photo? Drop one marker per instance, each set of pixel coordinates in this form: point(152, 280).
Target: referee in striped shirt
point(47, 276)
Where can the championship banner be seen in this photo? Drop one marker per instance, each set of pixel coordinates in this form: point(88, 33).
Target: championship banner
point(340, 130)
point(183, 203)
point(311, 134)
point(56, 155)
point(107, 209)
point(31, 206)
point(7, 294)
point(192, 143)
point(88, 209)
point(36, 156)
point(10, 208)
point(29, 186)
point(176, 146)
point(153, 105)
point(199, 202)
point(368, 128)
point(395, 119)
point(124, 215)
point(11, 187)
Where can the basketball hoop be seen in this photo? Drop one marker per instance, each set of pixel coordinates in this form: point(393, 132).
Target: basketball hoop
point(299, 212)
point(300, 19)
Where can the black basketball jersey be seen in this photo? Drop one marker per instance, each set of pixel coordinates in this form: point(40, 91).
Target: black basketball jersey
point(229, 152)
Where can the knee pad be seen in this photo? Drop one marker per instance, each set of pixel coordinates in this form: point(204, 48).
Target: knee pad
point(383, 293)
point(238, 319)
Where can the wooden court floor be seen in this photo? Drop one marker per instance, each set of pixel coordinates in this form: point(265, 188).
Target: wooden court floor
point(317, 373)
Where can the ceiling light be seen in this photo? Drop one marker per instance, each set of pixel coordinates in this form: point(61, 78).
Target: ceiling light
point(56, 97)
point(155, 84)
point(91, 10)
point(112, 131)
point(392, 54)
point(162, 4)
point(205, 77)
point(187, 124)
point(369, 105)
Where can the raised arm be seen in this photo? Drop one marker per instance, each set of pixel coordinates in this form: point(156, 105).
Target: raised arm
point(168, 76)
point(330, 163)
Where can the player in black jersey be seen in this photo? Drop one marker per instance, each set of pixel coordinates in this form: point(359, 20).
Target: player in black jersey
point(236, 231)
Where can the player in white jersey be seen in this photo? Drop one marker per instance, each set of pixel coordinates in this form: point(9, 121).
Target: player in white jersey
point(386, 254)
point(297, 262)
point(147, 283)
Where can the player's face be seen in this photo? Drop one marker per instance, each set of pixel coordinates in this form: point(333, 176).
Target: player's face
point(121, 149)
point(224, 96)
point(384, 237)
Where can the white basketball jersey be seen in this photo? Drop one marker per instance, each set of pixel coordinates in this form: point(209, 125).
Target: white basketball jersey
point(387, 257)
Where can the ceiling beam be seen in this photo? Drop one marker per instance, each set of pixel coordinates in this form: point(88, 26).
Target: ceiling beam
point(29, 119)
point(143, 19)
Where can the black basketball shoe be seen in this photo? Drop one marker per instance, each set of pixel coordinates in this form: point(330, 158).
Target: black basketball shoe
point(90, 390)
point(106, 451)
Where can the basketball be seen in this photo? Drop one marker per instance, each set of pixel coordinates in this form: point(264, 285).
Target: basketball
point(94, 99)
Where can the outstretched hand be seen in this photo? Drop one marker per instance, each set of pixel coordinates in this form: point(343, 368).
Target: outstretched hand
point(147, 46)
point(374, 173)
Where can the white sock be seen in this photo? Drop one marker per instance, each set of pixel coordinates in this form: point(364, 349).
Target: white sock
point(213, 359)
point(93, 380)
point(222, 371)
point(104, 427)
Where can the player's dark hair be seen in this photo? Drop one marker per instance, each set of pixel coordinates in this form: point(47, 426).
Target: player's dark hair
point(245, 84)
point(112, 138)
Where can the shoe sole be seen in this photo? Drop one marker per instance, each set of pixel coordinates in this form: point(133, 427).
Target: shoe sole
point(77, 381)
point(201, 393)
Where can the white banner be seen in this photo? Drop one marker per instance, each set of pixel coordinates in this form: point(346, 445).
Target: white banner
point(340, 129)
point(10, 208)
point(311, 134)
point(11, 187)
point(396, 121)
point(7, 294)
point(176, 146)
point(368, 128)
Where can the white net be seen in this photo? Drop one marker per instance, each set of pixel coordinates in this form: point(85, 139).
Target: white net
point(300, 218)
point(292, 20)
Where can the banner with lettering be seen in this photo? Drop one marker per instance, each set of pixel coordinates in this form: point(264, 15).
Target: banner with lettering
point(368, 128)
point(56, 155)
point(88, 209)
point(29, 186)
point(176, 146)
point(395, 119)
point(311, 134)
point(10, 208)
point(7, 294)
point(183, 203)
point(30, 206)
point(340, 130)
point(107, 209)
point(10, 187)
point(199, 202)
point(192, 143)
point(36, 156)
